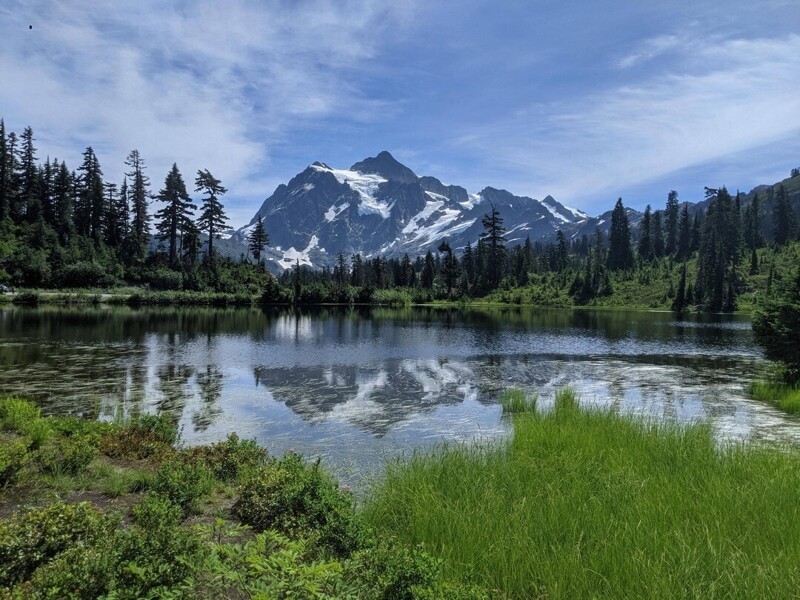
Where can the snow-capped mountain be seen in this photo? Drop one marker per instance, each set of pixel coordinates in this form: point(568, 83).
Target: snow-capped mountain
point(379, 206)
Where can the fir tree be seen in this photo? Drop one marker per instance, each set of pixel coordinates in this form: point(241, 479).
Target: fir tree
point(6, 168)
point(495, 245)
point(672, 228)
point(172, 219)
point(645, 236)
point(257, 239)
point(27, 199)
point(428, 272)
point(212, 215)
point(783, 218)
point(679, 302)
point(449, 268)
point(657, 233)
point(620, 254)
point(89, 213)
point(138, 197)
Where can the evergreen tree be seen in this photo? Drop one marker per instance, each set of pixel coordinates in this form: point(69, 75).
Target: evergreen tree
point(138, 197)
point(657, 233)
point(449, 268)
point(679, 302)
point(468, 264)
point(697, 225)
point(776, 324)
point(212, 215)
point(14, 209)
point(684, 247)
point(6, 169)
point(172, 219)
point(495, 246)
point(62, 204)
point(718, 253)
point(645, 236)
point(562, 252)
point(28, 199)
point(620, 254)
point(672, 228)
point(113, 225)
point(257, 239)
point(783, 218)
point(89, 208)
point(357, 276)
point(428, 272)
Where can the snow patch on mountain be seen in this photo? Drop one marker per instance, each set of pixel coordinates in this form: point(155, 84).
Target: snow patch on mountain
point(474, 200)
point(334, 211)
point(291, 256)
point(433, 222)
point(366, 185)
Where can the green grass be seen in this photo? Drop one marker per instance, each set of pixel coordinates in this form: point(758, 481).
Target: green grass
point(516, 401)
point(781, 395)
point(584, 503)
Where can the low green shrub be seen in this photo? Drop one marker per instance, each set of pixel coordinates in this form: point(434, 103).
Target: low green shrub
point(13, 457)
point(32, 538)
point(267, 566)
point(17, 414)
point(27, 298)
point(230, 458)
point(81, 571)
point(76, 426)
point(294, 498)
point(182, 482)
point(389, 570)
point(160, 426)
point(67, 456)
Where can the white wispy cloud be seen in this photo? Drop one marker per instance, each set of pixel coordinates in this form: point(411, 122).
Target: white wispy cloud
point(208, 84)
point(721, 97)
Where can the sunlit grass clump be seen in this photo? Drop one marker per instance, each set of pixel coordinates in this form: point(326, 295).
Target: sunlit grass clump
point(584, 503)
point(781, 395)
point(516, 401)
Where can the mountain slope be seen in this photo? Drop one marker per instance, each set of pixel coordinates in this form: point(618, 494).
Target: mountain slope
point(380, 206)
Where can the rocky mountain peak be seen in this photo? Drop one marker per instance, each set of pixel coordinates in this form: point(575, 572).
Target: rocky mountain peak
point(386, 165)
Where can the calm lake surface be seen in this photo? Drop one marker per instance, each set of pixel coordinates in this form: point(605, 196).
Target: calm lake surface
point(358, 386)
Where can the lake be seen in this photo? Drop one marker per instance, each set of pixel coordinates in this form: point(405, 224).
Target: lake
point(358, 386)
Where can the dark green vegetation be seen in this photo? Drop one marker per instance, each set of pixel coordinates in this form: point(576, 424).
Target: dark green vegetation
point(66, 229)
point(91, 509)
point(585, 503)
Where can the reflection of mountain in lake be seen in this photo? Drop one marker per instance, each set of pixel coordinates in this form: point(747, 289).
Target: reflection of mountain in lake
point(372, 398)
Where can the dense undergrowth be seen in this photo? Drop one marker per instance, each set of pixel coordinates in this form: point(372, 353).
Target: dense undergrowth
point(118, 510)
point(587, 503)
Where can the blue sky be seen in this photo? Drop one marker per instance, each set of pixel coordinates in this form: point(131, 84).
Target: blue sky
point(584, 101)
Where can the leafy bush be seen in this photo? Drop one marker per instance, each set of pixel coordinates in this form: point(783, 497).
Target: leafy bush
point(17, 414)
point(182, 482)
point(229, 459)
point(82, 274)
point(13, 456)
point(32, 538)
point(27, 298)
point(68, 456)
point(165, 279)
point(154, 555)
point(291, 497)
point(268, 566)
point(81, 571)
point(388, 570)
point(146, 436)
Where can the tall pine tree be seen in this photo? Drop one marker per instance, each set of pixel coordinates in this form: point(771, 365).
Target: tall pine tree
point(620, 254)
point(172, 219)
point(212, 214)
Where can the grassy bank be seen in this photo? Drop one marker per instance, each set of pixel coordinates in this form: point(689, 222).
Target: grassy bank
point(777, 393)
point(584, 503)
point(121, 510)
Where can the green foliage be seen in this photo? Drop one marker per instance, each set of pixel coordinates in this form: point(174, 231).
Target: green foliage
point(777, 393)
point(67, 455)
point(229, 459)
point(13, 457)
point(294, 498)
point(145, 436)
point(17, 414)
point(182, 482)
point(517, 401)
point(32, 538)
point(776, 324)
point(27, 298)
point(269, 566)
point(392, 571)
